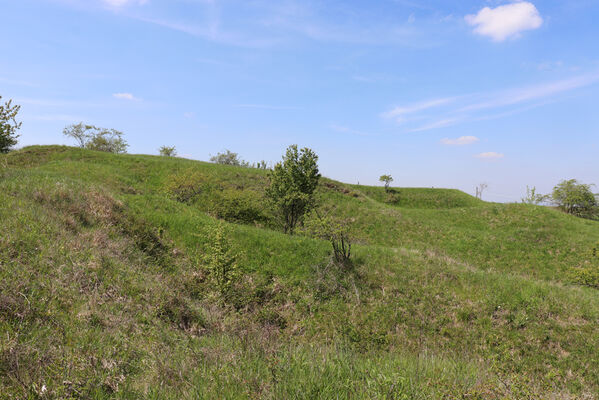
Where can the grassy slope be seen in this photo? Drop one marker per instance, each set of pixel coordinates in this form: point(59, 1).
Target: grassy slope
point(101, 293)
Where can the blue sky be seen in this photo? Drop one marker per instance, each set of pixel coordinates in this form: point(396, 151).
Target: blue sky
point(436, 93)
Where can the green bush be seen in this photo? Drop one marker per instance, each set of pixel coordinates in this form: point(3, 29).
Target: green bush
point(335, 231)
point(8, 126)
point(588, 274)
point(240, 206)
point(220, 260)
point(186, 186)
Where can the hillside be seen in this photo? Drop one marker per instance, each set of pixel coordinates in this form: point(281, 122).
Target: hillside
point(103, 293)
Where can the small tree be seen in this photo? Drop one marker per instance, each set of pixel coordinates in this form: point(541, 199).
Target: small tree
point(480, 189)
point(532, 197)
point(8, 125)
point(336, 232)
point(292, 185)
point(228, 158)
point(93, 138)
point(167, 151)
point(387, 179)
point(108, 140)
point(220, 260)
point(80, 132)
point(575, 198)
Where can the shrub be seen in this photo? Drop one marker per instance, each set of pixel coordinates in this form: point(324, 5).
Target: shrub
point(336, 232)
point(242, 206)
point(588, 274)
point(532, 197)
point(575, 198)
point(167, 151)
point(8, 126)
point(228, 158)
point(185, 187)
point(100, 139)
point(292, 185)
point(220, 260)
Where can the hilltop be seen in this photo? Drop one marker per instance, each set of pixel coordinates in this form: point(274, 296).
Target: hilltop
point(103, 293)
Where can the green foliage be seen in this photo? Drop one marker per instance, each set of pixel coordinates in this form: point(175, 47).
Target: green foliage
point(333, 230)
point(534, 198)
point(588, 273)
point(99, 139)
point(261, 165)
point(387, 179)
point(240, 206)
point(575, 198)
point(220, 260)
point(292, 185)
point(449, 297)
point(8, 125)
point(185, 187)
point(168, 151)
point(108, 140)
point(228, 158)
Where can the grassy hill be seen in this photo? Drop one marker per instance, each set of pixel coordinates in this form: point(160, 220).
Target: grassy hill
point(103, 291)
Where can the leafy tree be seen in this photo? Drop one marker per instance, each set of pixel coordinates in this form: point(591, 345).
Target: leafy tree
point(387, 179)
point(108, 140)
point(292, 185)
point(575, 198)
point(80, 132)
point(167, 151)
point(94, 138)
point(8, 125)
point(228, 158)
point(220, 260)
point(532, 197)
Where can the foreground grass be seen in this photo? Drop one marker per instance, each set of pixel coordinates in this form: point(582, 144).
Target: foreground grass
point(102, 293)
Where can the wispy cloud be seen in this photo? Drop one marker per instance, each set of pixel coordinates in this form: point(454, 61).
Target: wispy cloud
point(122, 3)
point(448, 111)
point(16, 82)
point(58, 117)
point(261, 23)
point(345, 129)
point(400, 112)
point(125, 96)
point(521, 95)
point(461, 141)
point(266, 106)
point(443, 123)
point(491, 155)
point(506, 21)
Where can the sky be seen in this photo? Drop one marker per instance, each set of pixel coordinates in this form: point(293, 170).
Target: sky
point(436, 93)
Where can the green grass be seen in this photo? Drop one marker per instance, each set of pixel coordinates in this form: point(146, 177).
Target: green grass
point(103, 293)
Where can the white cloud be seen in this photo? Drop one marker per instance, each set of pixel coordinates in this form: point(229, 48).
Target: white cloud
point(491, 155)
point(461, 141)
point(506, 21)
point(125, 96)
